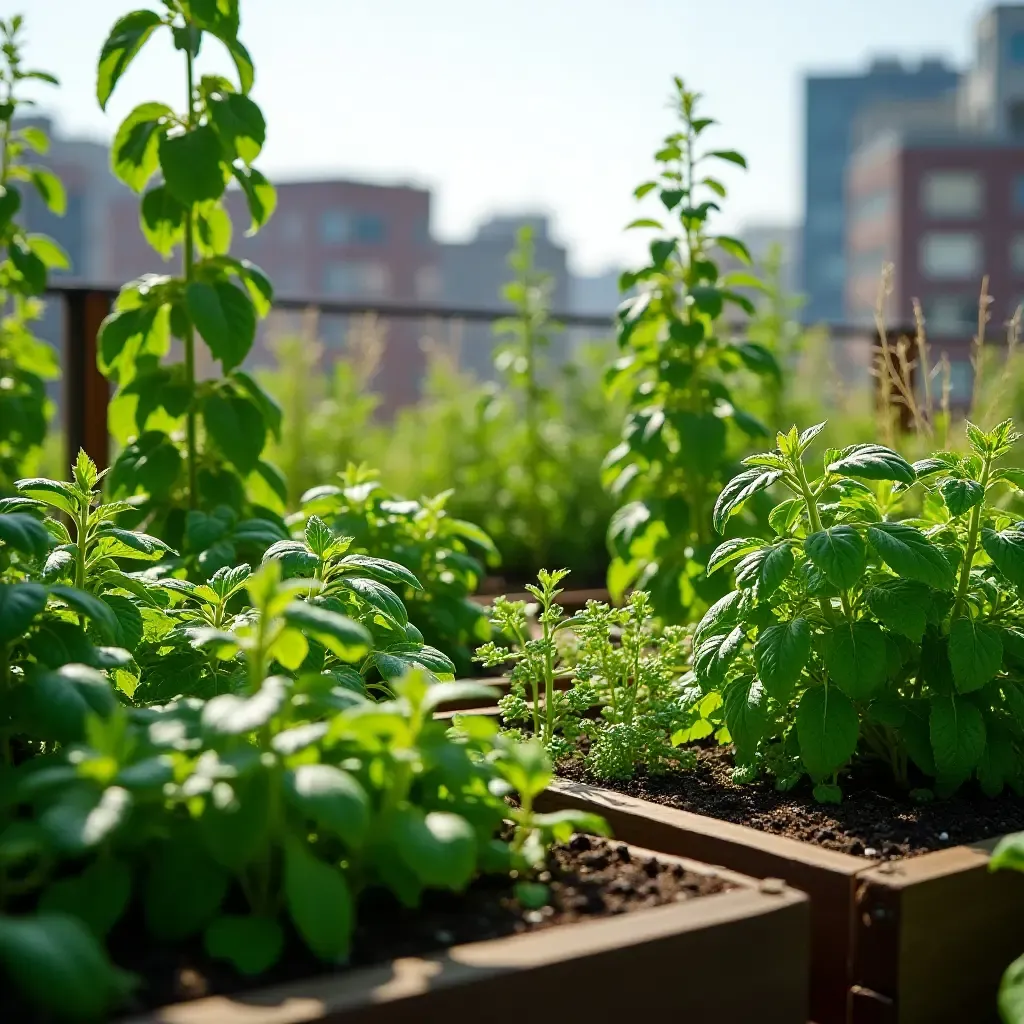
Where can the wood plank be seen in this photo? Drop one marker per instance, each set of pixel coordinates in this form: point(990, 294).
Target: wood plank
point(827, 877)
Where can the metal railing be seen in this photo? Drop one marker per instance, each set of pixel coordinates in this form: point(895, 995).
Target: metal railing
point(86, 393)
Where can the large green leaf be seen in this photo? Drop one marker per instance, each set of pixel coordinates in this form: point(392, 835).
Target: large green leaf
point(961, 496)
point(827, 728)
point(98, 896)
point(720, 618)
point(240, 125)
point(224, 316)
point(746, 717)
point(332, 799)
point(20, 603)
point(231, 715)
point(957, 731)
point(780, 653)
point(60, 966)
point(252, 944)
point(25, 533)
point(260, 196)
point(397, 659)
point(731, 549)
point(1011, 993)
point(99, 612)
point(975, 653)
point(902, 605)
point(378, 596)
point(54, 493)
point(191, 162)
point(439, 847)
point(839, 552)
point(715, 654)
point(873, 462)
point(739, 489)
point(1006, 549)
point(338, 633)
point(909, 553)
point(126, 38)
point(134, 153)
point(855, 658)
point(237, 428)
point(319, 902)
point(765, 569)
point(84, 817)
point(381, 569)
point(162, 219)
point(55, 705)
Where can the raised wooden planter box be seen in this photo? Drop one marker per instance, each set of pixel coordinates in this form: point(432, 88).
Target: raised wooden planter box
point(500, 685)
point(918, 941)
point(736, 956)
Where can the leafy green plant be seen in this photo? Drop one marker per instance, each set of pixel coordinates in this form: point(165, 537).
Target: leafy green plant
point(1009, 855)
point(190, 444)
point(636, 675)
point(551, 713)
point(26, 362)
point(676, 369)
point(223, 821)
point(861, 631)
point(445, 555)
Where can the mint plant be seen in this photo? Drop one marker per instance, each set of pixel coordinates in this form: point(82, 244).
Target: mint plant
point(677, 367)
point(190, 444)
point(240, 822)
point(1009, 855)
point(26, 362)
point(882, 621)
point(446, 555)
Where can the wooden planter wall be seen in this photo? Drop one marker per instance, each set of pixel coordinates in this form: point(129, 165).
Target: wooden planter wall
point(918, 941)
point(739, 955)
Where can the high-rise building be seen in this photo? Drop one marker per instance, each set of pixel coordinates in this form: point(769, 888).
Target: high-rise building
point(832, 105)
point(992, 95)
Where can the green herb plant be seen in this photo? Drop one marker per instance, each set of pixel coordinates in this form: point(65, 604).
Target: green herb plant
point(446, 555)
point(241, 821)
point(882, 621)
point(190, 444)
point(26, 362)
point(533, 698)
point(1009, 855)
point(676, 368)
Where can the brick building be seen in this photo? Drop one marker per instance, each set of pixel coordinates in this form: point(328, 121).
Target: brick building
point(331, 239)
point(945, 210)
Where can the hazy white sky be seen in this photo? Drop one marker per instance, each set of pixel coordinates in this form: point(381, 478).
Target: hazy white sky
point(507, 106)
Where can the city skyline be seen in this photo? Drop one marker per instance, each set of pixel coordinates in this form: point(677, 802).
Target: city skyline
point(569, 111)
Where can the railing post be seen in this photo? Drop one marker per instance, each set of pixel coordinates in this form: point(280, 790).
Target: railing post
point(86, 390)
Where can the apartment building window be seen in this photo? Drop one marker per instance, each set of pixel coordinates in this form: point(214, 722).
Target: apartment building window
point(354, 279)
point(948, 255)
point(952, 193)
point(950, 316)
point(368, 229)
point(1017, 47)
point(335, 227)
point(293, 226)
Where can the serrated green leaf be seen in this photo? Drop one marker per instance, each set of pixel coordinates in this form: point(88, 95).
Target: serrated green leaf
point(780, 654)
point(839, 552)
point(828, 728)
point(975, 653)
point(855, 656)
point(909, 553)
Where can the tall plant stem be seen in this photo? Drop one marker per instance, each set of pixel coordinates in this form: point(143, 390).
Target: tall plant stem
point(972, 544)
point(188, 259)
point(815, 521)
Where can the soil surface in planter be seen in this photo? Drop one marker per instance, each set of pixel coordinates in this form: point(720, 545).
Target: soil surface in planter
point(875, 818)
point(587, 878)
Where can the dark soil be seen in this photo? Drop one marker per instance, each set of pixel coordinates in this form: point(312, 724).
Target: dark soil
point(587, 878)
point(875, 819)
